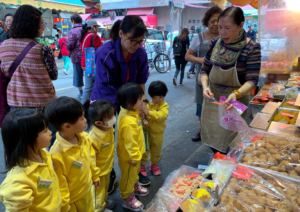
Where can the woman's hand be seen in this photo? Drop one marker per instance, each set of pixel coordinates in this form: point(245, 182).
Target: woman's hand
point(97, 184)
point(231, 97)
point(83, 68)
point(207, 93)
point(145, 111)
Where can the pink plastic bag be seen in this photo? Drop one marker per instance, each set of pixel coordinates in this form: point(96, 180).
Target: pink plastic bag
point(231, 119)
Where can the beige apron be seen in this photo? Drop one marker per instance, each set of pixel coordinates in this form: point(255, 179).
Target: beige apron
point(222, 83)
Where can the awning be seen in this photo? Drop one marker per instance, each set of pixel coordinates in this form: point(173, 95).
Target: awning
point(141, 11)
point(86, 17)
point(63, 5)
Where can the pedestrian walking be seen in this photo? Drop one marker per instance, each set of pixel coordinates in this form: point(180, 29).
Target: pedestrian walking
point(199, 47)
point(119, 61)
point(231, 68)
point(180, 45)
point(25, 134)
point(64, 52)
point(101, 118)
point(73, 46)
point(8, 19)
point(131, 145)
point(88, 38)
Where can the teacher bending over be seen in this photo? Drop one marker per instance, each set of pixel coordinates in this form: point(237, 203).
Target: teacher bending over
point(231, 67)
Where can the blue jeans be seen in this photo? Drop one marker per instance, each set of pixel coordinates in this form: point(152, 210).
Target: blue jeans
point(88, 88)
point(192, 68)
point(180, 68)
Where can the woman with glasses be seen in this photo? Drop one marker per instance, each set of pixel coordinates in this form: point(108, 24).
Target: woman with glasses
point(120, 61)
point(8, 19)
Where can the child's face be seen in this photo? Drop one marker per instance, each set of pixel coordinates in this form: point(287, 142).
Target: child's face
point(44, 139)
point(138, 104)
point(79, 126)
point(158, 99)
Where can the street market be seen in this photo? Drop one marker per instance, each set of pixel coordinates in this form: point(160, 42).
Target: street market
point(248, 111)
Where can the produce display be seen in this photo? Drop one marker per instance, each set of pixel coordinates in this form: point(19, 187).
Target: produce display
point(250, 190)
point(290, 103)
point(184, 185)
point(287, 117)
point(274, 153)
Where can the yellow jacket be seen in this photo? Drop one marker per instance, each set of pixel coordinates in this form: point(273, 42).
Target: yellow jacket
point(131, 140)
point(20, 191)
point(74, 182)
point(158, 114)
point(104, 146)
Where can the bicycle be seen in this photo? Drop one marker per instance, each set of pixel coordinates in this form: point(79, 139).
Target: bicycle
point(161, 61)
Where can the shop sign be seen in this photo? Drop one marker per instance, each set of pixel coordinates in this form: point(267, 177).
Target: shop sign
point(194, 21)
point(65, 15)
point(19, 1)
point(178, 4)
point(65, 26)
point(112, 14)
point(39, 4)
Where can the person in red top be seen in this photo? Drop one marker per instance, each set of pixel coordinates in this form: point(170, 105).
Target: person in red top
point(89, 31)
point(64, 52)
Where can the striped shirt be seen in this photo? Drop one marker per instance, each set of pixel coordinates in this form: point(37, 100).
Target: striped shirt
point(248, 64)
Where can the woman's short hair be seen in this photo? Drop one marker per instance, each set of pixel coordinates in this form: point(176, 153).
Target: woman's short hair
point(8, 15)
point(26, 23)
point(235, 13)
point(209, 13)
point(76, 18)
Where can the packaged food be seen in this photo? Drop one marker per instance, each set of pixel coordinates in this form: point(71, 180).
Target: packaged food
point(290, 103)
point(295, 74)
point(287, 117)
point(252, 189)
point(191, 205)
point(295, 83)
point(163, 202)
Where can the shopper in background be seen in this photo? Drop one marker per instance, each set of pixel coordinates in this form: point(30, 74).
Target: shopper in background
point(251, 33)
point(64, 52)
point(59, 33)
point(199, 46)
point(180, 44)
point(73, 45)
point(8, 19)
point(2, 28)
point(88, 38)
point(231, 67)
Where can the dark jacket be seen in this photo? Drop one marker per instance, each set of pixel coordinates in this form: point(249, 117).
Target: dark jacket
point(185, 45)
point(251, 35)
point(4, 36)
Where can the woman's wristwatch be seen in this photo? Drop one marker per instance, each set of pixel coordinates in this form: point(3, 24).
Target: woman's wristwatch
point(237, 93)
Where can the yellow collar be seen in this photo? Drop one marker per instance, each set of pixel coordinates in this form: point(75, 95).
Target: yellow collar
point(66, 145)
point(129, 112)
point(101, 134)
point(34, 165)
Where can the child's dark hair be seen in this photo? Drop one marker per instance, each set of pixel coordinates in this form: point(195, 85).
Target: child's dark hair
point(20, 130)
point(157, 88)
point(63, 110)
point(130, 23)
point(129, 94)
point(98, 111)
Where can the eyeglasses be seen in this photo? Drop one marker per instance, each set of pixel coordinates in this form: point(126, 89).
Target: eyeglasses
point(134, 42)
point(44, 24)
point(8, 22)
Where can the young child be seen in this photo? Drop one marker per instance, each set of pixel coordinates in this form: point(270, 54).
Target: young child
point(31, 183)
point(131, 145)
point(72, 155)
point(100, 116)
point(158, 113)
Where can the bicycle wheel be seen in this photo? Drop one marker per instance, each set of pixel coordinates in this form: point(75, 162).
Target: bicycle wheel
point(162, 63)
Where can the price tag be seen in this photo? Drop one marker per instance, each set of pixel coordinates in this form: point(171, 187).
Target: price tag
point(219, 103)
point(258, 137)
point(282, 126)
point(287, 115)
point(242, 172)
point(290, 103)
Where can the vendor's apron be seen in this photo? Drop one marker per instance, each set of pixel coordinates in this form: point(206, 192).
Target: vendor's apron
point(222, 83)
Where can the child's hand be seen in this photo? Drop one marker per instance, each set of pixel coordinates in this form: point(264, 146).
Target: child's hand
point(145, 123)
point(132, 164)
point(97, 184)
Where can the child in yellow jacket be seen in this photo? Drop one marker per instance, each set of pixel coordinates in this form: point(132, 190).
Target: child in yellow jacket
point(101, 118)
point(31, 183)
point(72, 155)
point(158, 113)
point(131, 145)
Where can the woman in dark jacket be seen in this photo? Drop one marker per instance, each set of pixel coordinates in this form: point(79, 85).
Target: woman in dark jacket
point(9, 17)
point(180, 61)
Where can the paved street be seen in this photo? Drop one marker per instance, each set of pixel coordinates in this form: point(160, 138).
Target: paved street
point(182, 124)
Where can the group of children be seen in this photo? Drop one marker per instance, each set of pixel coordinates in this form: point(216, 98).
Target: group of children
point(62, 179)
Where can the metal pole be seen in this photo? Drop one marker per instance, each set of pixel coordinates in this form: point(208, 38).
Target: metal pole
point(180, 14)
point(171, 37)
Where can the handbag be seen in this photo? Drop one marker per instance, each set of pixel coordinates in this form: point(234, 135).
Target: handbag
point(90, 65)
point(60, 55)
point(4, 108)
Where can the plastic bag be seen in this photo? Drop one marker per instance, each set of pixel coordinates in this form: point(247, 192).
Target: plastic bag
point(276, 91)
point(231, 119)
point(181, 182)
point(252, 189)
point(269, 151)
point(163, 202)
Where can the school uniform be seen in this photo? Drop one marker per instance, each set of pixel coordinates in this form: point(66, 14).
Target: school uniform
point(158, 114)
point(103, 143)
point(131, 146)
point(32, 188)
point(76, 171)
